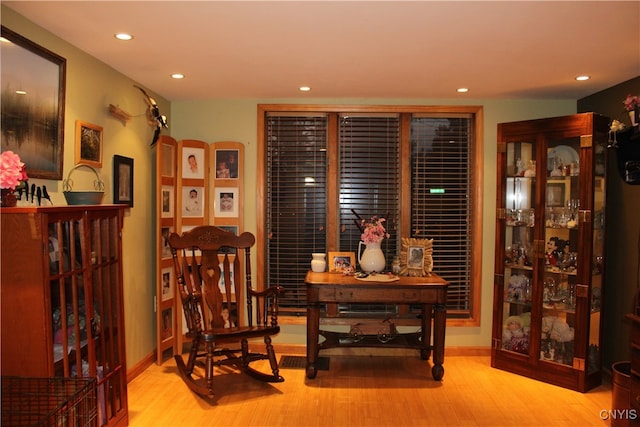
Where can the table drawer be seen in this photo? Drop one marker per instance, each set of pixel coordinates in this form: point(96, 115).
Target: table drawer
point(395, 296)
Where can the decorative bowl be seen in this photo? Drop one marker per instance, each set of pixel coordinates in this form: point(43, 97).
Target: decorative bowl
point(93, 197)
point(83, 197)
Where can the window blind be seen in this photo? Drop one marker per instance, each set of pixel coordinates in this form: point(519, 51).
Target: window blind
point(296, 201)
point(440, 202)
point(369, 173)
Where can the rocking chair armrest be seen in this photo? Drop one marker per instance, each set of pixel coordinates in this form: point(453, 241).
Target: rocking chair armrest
point(274, 291)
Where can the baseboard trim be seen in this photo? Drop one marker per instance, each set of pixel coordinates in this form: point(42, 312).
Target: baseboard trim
point(141, 366)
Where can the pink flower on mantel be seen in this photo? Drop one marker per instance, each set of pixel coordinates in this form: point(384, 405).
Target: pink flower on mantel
point(12, 170)
point(373, 231)
point(632, 102)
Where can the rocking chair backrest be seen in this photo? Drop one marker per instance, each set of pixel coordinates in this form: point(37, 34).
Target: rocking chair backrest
point(211, 278)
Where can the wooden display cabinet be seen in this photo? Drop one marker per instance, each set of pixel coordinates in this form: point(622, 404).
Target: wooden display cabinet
point(549, 264)
point(62, 303)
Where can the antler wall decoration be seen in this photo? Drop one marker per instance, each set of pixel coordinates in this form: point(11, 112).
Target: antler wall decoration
point(153, 115)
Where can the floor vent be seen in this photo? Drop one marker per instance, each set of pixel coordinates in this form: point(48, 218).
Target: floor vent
point(300, 362)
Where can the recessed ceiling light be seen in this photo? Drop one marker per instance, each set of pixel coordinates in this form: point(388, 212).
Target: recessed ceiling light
point(462, 90)
point(582, 78)
point(123, 36)
point(304, 88)
point(177, 76)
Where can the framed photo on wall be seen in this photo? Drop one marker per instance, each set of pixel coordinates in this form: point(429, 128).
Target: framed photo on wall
point(168, 161)
point(167, 283)
point(227, 162)
point(226, 202)
point(167, 324)
point(88, 144)
point(166, 249)
point(29, 69)
point(167, 201)
point(193, 163)
point(192, 201)
point(123, 180)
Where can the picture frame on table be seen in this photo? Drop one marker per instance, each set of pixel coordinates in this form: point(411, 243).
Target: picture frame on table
point(30, 68)
point(416, 257)
point(342, 262)
point(123, 180)
point(88, 144)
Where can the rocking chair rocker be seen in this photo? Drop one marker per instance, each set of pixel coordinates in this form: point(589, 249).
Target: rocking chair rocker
point(220, 306)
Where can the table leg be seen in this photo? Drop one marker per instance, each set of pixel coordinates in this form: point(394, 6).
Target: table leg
point(426, 319)
point(313, 335)
point(439, 325)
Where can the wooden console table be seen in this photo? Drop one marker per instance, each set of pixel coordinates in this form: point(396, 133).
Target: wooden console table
point(429, 292)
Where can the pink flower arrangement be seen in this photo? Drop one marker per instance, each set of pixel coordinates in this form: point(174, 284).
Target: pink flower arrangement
point(632, 102)
point(12, 171)
point(373, 231)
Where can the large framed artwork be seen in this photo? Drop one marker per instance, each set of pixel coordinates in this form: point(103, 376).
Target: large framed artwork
point(33, 95)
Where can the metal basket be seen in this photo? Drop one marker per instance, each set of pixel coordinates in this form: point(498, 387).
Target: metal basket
point(83, 197)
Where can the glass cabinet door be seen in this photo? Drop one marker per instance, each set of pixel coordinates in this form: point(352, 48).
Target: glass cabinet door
point(520, 221)
point(68, 292)
point(105, 267)
point(562, 243)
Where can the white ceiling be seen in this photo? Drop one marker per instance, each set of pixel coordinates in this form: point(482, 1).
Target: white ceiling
point(355, 49)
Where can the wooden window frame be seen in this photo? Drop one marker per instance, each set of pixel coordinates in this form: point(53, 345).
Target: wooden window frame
point(405, 111)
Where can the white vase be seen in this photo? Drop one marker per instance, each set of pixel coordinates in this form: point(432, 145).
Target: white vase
point(372, 259)
point(632, 116)
point(318, 262)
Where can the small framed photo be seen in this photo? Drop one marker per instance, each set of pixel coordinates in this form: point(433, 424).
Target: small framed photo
point(233, 229)
point(167, 201)
point(167, 283)
point(225, 202)
point(88, 144)
point(342, 262)
point(416, 257)
point(167, 324)
point(123, 179)
point(555, 195)
point(166, 249)
point(168, 160)
point(193, 163)
point(226, 164)
point(192, 201)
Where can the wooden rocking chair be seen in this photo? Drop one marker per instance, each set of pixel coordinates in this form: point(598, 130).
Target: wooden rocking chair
point(221, 308)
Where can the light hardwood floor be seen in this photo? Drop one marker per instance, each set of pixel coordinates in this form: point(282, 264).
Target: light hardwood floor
point(367, 391)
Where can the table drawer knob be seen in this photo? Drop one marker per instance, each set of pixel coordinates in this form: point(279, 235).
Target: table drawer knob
point(343, 294)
